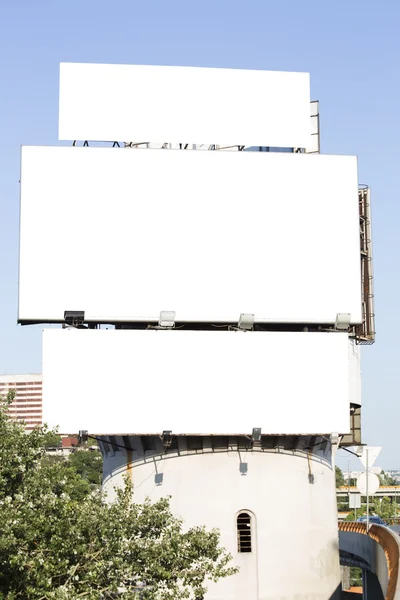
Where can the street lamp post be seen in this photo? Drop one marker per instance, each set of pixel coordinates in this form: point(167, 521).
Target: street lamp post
point(348, 480)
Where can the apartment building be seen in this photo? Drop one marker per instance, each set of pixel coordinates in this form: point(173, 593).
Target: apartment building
point(27, 404)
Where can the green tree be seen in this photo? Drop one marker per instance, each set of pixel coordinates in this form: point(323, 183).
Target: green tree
point(61, 540)
point(355, 576)
point(88, 462)
point(385, 479)
point(339, 477)
point(383, 507)
point(351, 516)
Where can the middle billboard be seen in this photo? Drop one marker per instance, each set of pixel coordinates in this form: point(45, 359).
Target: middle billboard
point(197, 382)
point(123, 234)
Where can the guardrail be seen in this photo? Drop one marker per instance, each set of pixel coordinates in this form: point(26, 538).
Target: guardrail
point(390, 545)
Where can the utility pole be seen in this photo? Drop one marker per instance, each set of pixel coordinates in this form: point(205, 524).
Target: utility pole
point(348, 480)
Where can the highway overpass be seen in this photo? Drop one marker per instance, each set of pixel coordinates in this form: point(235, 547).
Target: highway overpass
point(385, 490)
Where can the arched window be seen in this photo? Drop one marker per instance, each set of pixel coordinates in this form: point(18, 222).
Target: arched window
point(243, 523)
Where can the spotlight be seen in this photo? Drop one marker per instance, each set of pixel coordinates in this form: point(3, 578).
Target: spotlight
point(83, 436)
point(166, 438)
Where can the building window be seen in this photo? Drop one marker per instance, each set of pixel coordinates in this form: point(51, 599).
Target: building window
point(244, 532)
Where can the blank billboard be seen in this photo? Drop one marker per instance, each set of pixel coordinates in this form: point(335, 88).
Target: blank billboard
point(138, 103)
point(124, 234)
point(195, 382)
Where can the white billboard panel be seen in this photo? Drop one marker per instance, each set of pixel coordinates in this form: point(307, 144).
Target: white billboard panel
point(124, 234)
point(139, 103)
point(195, 382)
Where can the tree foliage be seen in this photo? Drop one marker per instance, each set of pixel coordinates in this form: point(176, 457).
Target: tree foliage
point(386, 480)
point(88, 462)
point(386, 508)
point(339, 477)
point(61, 540)
point(356, 576)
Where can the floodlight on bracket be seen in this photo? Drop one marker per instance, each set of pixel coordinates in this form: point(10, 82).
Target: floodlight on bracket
point(334, 438)
point(83, 436)
point(246, 321)
point(167, 319)
point(359, 451)
point(74, 317)
point(166, 438)
point(255, 437)
point(342, 322)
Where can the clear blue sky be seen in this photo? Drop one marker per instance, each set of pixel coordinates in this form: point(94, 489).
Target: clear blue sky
point(352, 50)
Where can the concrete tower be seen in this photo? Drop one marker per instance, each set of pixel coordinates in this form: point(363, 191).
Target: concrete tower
point(211, 304)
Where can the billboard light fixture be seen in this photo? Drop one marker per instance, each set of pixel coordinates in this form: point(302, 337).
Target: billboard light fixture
point(342, 322)
point(74, 317)
point(83, 436)
point(246, 321)
point(167, 319)
point(166, 438)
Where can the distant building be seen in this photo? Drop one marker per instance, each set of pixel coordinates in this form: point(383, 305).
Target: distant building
point(27, 404)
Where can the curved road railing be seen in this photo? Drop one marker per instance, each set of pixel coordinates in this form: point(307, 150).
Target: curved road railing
point(391, 547)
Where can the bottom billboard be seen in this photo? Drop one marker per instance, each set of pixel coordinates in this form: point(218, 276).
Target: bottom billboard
point(195, 382)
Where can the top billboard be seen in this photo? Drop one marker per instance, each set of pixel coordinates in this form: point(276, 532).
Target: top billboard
point(124, 234)
point(138, 103)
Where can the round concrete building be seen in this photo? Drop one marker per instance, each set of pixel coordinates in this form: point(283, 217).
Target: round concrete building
point(273, 501)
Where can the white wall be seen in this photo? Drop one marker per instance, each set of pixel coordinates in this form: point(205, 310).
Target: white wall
point(124, 234)
point(296, 555)
point(222, 382)
point(184, 104)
